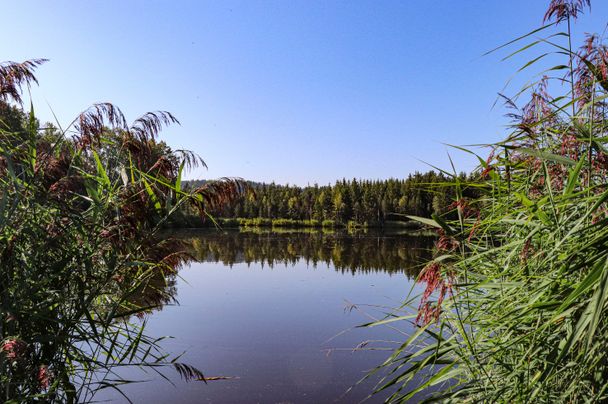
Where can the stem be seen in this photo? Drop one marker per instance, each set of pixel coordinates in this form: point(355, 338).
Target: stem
point(571, 69)
point(590, 146)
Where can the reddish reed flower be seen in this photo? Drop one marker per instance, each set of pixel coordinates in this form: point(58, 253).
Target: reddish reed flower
point(591, 67)
point(463, 207)
point(599, 216)
point(14, 349)
point(538, 110)
point(570, 146)
point(474, 228)
point(488, 167)
point(526, 251)
point(601, 161)
point(446, 243)
point(431, 275)
point(563, 9)
point(44, 377)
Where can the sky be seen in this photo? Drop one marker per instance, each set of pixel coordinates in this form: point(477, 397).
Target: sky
point(296, 92)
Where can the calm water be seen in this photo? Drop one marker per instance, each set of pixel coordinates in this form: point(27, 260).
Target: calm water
point(277, 311)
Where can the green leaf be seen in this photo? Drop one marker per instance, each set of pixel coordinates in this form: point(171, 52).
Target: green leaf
point(518, 39)
point(423, 220)
point(524, 200)
point(573, 177)
point(105, 180)
point(587, 283)
point(178, 182)
point(547, 156)
point(152, 195)
point(531, 62)
point(439, 220)
point(596, 305)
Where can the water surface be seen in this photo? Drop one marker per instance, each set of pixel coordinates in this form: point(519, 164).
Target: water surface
point(278, 312)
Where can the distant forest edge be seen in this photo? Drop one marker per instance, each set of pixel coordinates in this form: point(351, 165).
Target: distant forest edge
point(347, 203)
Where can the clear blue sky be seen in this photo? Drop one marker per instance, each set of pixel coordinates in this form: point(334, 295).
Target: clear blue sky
point(291, 91)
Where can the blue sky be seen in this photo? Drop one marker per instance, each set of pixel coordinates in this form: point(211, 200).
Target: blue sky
point(292, 91)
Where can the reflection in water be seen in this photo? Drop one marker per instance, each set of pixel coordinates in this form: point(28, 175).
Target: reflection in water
point(369, 252)
point(282, 335)
point(363, 253)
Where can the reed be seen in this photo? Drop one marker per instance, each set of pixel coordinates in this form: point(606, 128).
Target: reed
point(80, 209)
point(515, 302)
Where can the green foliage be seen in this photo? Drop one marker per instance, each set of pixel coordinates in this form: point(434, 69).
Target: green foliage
point(229, 222)
point(79, 216)
point(351, 225)
point(515, 305)
point(328, 223)
point(359, 201)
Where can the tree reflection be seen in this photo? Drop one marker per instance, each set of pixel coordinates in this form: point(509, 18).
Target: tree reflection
point(347, 253)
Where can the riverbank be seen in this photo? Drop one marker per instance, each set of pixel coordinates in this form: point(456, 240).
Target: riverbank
point(197, 222)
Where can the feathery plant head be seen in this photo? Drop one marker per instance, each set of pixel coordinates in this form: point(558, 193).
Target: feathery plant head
point(80, 212)
point(516, 303)
point(561, 10)
point(13, 76)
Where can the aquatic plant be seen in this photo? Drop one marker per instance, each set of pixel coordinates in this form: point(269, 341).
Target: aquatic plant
point(523, 316)
point(80, 211)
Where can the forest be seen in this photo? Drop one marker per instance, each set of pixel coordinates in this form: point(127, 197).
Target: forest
point(359, 203)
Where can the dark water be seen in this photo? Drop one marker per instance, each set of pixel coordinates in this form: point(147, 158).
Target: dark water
point(277, 312)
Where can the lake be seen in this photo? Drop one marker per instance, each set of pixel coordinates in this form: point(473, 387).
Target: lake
point(277, 313)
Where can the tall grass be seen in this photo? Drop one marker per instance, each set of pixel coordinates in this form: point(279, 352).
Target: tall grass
point(515, 305)
point(80, 209)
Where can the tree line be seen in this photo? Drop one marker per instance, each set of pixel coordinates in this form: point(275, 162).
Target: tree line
point(361, 202)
